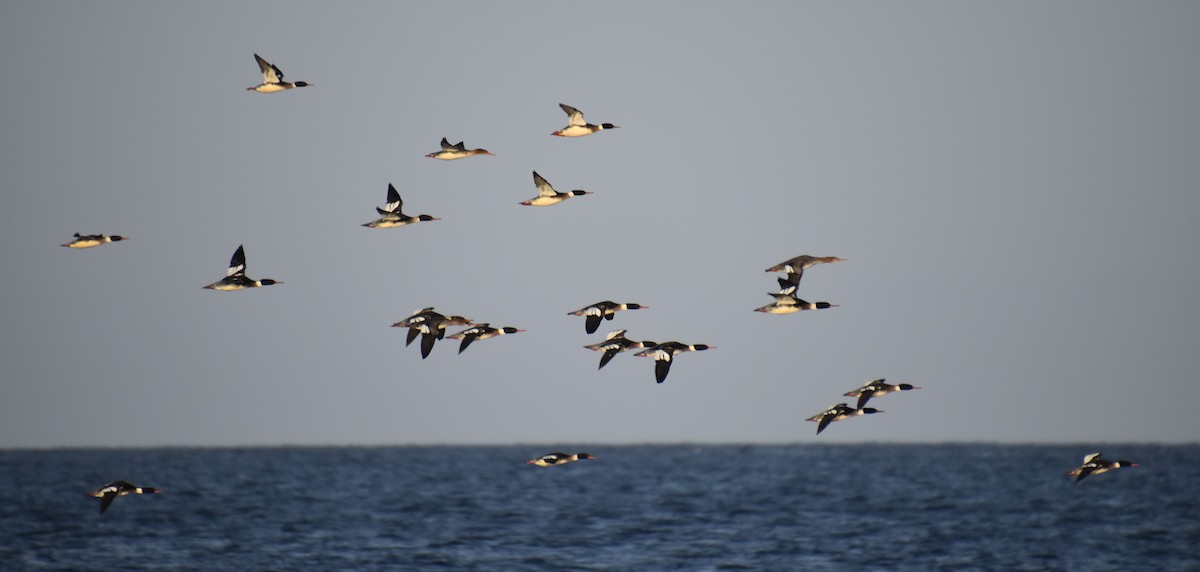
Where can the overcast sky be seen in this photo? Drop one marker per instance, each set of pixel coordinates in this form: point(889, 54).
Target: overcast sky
point(1014, 187)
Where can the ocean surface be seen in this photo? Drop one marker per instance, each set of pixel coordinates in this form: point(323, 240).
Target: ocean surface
point(643, 508)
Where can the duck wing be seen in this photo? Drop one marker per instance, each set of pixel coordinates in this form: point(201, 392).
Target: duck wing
point(574, 116)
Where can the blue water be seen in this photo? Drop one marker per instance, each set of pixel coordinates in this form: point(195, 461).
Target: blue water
point(807, 507)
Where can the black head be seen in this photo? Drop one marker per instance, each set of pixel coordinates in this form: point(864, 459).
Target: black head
point(426, 218)
point(509, 330)
point(870, 410)
point(633, 306)
point(269, 282)
point(585, 456)
point(116, 238)
point(905, 386)
point(301, 84)
point(608, 126)
point(578, 192)
point(700, 347)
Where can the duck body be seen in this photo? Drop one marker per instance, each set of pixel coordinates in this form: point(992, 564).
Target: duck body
point(786, 302)
point(547, 195)
point(1095, 464)
point(604, 310)
point(272, 79)
point(664, 354)
point(457, 151)
point(391, 214)
point(615, 343)
point(235, 277)
point(577, 126)
point(111, 491)
point(555, 459)
point(92, 240)
point(482, 331)
point(877, 388)
point(839, 412)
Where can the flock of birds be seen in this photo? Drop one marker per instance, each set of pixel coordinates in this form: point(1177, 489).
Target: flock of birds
point(430, 325)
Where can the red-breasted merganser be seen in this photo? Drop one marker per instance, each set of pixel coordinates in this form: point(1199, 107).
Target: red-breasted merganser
point(576, 126)
point(482, 331)
point(115, 489)
point(786, 302)
point(602, 311)
point(547, 195)
point(430, 325)
point(235, 277)
point(1094, 465)
point(458, 151)
point(553, 459)
point(272, 79)
point(90, 240)
point(615, 343)
point(665, 353)
point(391, 214)
point(877, 388)
point(795, 267)
point(839, 412)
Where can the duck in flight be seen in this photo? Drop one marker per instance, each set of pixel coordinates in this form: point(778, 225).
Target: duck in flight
point(391, 214)
point(91, 240)
point(576, 126)
point(457, 151)
point(553, 459)
point(665, 353)
point(235, 277)
point(877, 388)
point(482, 331)
point(604, 310)
point(272, 78)
point(786, 302)
point(547, 195)
point(1094, 464)
point(111, 491)
point(431, 326)
point(839, 412)
point(615, 343)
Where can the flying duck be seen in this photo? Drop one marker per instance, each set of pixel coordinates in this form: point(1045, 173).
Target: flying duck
point(235, 277)
point(272, 78)
point(602, 311)
point(391, 215)
point(795, 267)
point(115, 489)
point(90, 240)
point(839, 412)
point(665, 353)
point(451, 152)
point(481, 332)
point(615, 343)
point(786, 302)
point(430, 325)
point(553, 459)
point(547, 195)
point(576, 126)
point(877, 388)
point(1094, 465)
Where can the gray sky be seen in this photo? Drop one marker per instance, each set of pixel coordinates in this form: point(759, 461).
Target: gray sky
point(1014, 186)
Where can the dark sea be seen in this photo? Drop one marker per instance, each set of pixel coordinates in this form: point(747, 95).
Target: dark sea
point(687, 507)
